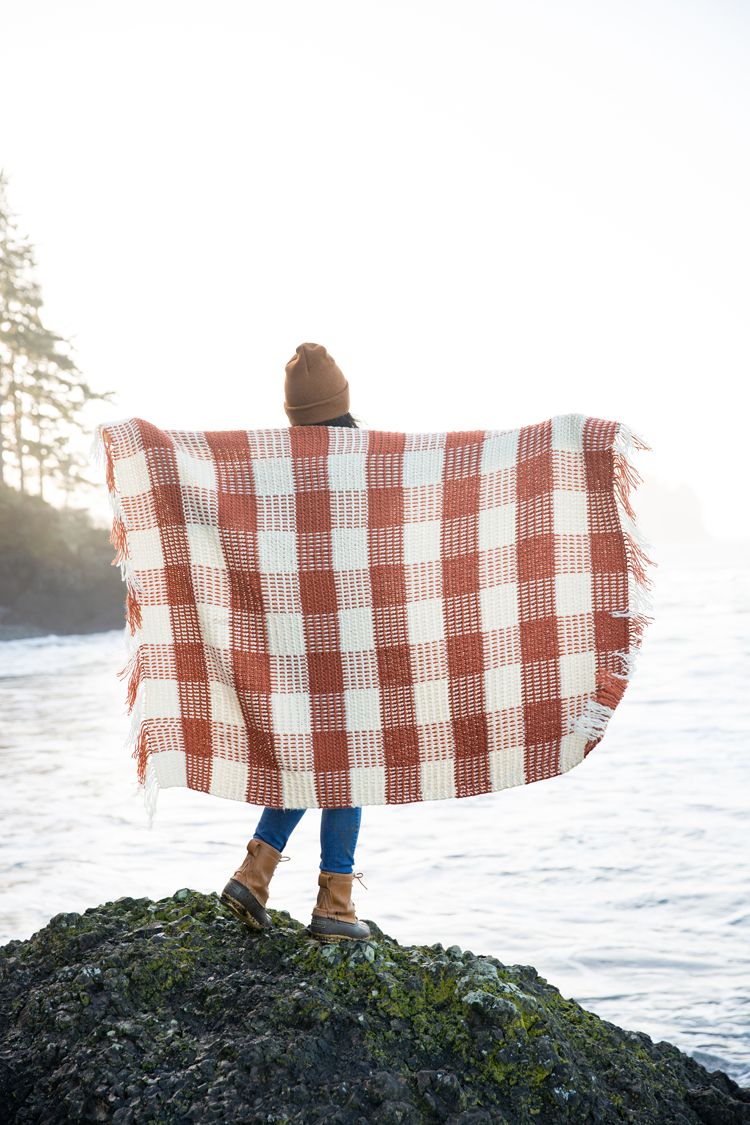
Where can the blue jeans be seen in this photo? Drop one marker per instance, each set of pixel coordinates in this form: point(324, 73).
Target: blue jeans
point(339, 829)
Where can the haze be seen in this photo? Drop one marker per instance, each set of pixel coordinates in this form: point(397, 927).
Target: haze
point(488, 212)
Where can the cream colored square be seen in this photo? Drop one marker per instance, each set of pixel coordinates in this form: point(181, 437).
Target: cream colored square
point(499, 607)
point(228, 779)
point(502, 688)
point(291, 713)
point(273, 476)
point(421, 542)
point(432, 702)
point(156, 625)
point(367, 785)
point(363, 709)
point(567, 432)
point(195, 473)
point(349, 549)
point(437, 780)
point(499, 451)
point(507, 767)
point(356, 630)
point(426, 621)
point(572, 748)
point(577, 674)
point(573, 594)
point(161, 699)
point(497, 527)
point(145, 549)
point(298, 789)
point(347, 471)
point(286, 634)
point(225, 706)
point(214, 622)
point(205, 546)
point(277, 552)
point(133, 477)
point(570, 513)
point(422, 466)
point(170, 767)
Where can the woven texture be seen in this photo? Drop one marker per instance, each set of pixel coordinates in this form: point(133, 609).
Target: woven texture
point(334, 617)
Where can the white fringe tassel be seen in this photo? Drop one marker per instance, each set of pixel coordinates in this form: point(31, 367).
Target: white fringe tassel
point(593, 722)
point(150, 789)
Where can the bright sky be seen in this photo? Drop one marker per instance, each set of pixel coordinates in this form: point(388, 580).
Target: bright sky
point(489, 211)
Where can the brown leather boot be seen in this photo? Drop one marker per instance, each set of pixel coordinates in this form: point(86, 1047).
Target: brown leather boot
point(333, 916)
point(246, 893)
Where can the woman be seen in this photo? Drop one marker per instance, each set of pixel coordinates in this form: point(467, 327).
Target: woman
point(317, 394)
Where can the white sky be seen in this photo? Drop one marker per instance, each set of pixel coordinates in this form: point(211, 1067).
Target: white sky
point(489, 212)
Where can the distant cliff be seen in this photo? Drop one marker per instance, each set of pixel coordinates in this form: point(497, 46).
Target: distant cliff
point(55, 573)
point(172, 1012)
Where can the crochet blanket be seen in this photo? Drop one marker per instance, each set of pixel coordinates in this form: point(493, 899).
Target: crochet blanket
point(332, 617)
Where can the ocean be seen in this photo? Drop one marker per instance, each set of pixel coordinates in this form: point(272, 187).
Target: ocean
point(626, 882)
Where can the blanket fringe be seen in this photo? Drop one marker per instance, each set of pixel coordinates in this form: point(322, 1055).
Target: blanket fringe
point(610, 687)
point(101, 455)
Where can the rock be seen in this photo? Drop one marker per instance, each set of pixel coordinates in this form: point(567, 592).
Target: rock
point(173, 1012)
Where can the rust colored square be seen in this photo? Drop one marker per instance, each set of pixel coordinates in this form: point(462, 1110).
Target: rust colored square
point(460, 497)
point(237, 512)
point(197, 736)
point(168, 505)
point(608, 553)
point(313, 511)
point(599, 469)
point(252, 671)
point(394, 667)
point(465, 654)
point(190, 664)
point(388, 585)
point(535, 558)
point(542, 721)
point(228, 445)
point(325, 673)
point(245, 591)
point(385, 507)
point(260, 745)
point(401, 746)
point(539, 640)
point(610, 633)
point(534, 477)
point(179, 583)
point(152, 437)
point(470, 736)
point(317, 591)
point(330, 750)
point(461, 575)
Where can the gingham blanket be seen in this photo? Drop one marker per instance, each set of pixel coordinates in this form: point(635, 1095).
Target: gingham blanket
point(334, 617)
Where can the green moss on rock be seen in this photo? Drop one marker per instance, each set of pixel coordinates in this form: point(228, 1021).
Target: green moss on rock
point(173, 1012)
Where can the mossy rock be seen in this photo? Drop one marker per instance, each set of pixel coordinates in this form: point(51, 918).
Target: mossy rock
point(172, 1011)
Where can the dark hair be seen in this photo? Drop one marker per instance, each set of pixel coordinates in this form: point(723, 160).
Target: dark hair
point(342, 420)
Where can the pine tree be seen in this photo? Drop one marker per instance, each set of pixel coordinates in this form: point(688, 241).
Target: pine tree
point(42, 392)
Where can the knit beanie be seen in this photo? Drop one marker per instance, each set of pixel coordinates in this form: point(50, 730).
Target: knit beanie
point(315, 390)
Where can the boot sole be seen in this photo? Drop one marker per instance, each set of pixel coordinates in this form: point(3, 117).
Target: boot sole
point(245, 906)
point(331, 937)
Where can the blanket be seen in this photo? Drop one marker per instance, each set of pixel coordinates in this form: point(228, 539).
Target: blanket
point(332, 617)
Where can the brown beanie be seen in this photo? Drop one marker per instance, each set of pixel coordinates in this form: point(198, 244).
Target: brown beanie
point(315, 389)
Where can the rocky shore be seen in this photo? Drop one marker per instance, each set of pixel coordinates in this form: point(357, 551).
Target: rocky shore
point(172, 1011)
